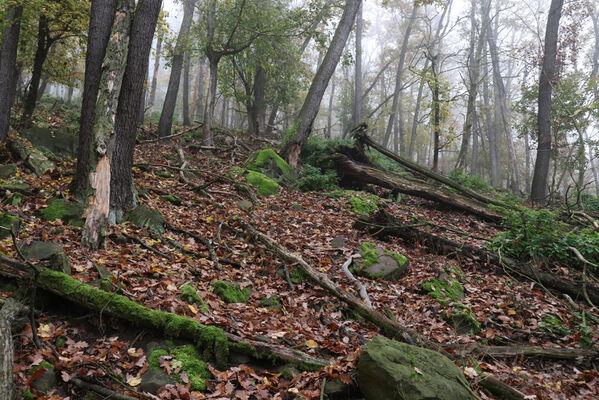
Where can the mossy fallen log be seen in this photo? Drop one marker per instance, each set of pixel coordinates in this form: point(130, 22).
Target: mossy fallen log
point(212, 341)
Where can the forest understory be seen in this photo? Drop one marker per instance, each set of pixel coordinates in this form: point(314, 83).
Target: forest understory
point(208, 238)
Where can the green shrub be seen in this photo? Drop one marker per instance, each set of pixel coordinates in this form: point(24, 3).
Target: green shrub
point(312, 178)
point(365, 205)
point(470, 181)
point(318, 170)
point(590, 202)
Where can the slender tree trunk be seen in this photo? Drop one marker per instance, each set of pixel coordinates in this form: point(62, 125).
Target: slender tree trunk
point(42, 89)
point(303, 126)
point(102, 132)
point(416, 115)
point(210, 101)
point(330, 116)
point(538, 192)
point(101, 21)
point(8, 62)
point(155, 74)
point(122, 191)
point(43, 46)
point(166, 117)
point(186, 119)
point(436, 112)
point(142, 104)
point(358, 70)
point(504, 112)
point(527, 161)
point(398, 83)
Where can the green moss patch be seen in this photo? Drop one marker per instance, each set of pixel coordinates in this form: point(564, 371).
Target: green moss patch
point(269, 163)
point(44, 364)
point(69, 212)
point(183, 359)
point(271, 302)
point(297, 276)
point(265, 185)
point(172, 199)
point(365, 205)
point(375, 262)
point(444, 289)
point(230, 293)
point(191, 296)
point(7, 223)
point(463, 322)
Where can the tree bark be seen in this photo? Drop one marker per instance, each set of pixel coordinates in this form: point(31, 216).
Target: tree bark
point(8, 312)
point(166, 117)
point(155, 74)
point(199, 91)
point(538, 191)
point(100, 25)
point(102, 131)
point(8, 62)
point(358, 70)
point(186, 119)
point(302, 128)
point(330, 116)
point(122, 196)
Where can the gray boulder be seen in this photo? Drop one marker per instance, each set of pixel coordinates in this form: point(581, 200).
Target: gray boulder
point(375, 262)
point(51, 252)
point(397, 371)
point(144, 217)
point(153, 379)
point(8, 170)
point(60, 142)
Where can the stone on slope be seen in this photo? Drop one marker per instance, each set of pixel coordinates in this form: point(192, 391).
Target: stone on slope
point(375, 262)
point(51, 252)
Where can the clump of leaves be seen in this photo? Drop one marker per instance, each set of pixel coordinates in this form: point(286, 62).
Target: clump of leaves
point(539, 235)
point(553, 323)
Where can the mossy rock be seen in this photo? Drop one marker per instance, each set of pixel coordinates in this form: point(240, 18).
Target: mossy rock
point(69, 212)
point(47, 380)
point(375, 262)
point(265, 185)
point(297, 275)
point(19, 187)
point(33, 158)
point(398, 371)
point(172, 199)
point(52, 252)
point(271, 302)
point(60, 142)
point(269, 163)
point(7, 223)
point(365, 205)
point(231, 293)
point(154, 379)
point(184, 359)
point(190, 295)
point(144, 217)
point(245, 205)
point(7, 171)
point(444, 289)
point(463, 322)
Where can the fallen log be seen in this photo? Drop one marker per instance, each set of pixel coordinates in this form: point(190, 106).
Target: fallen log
point(362, 138)
point(555, 353)
point(7, 314)
point(214, 342)
point(382, 224)
point(370, 174)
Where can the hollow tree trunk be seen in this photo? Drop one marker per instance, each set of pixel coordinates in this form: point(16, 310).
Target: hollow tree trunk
point(100, 24)
point(122, 191)
point(166, 117)
point(8, 62)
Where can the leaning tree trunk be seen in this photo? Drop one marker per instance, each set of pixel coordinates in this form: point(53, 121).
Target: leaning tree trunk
point(330, 116)
point(102, 15)
point(302, 128)
point(166, 117)
point(155, 75)
point(102, 132)
point(8, 62)
point(538, 192)
point(122, 196)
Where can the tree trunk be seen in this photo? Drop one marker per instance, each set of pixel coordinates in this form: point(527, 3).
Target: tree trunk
point(436, 111)
point(43, 46)
point(538, 192)
point(358, 70)
point(330, 116)
point(302, 128)
point(166, 117)
point(186, 119)
point(141, 114)
point(504, 112)
point(197, 107)
point(155, 74)
point(398, 88)
point(259, 99)
point(122, 196)
point(102, 132)
point(8, 312)
point(100, 24)
point(493, 161)
point(8, 62)
point(210, 101)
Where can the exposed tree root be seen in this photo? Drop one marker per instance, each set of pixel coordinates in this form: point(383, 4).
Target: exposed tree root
point(382, 224)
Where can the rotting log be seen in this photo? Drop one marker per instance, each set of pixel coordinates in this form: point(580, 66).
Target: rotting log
point(370, 174)
point(362, 138)
point(382, 224)
point(554, 353)
point(7, 314)
point(214, 342)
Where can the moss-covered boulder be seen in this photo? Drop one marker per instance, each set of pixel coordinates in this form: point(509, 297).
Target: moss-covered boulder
point(444, 289)
point(365, 205)
point(144, 217)
point(265, 185)
point(59, 142)
point(269, 163)
point(172, 199)
point(190, 295)
point(46, 251)
point(183, 359)
point(44, 381)
point(32, 157)
point(7, 171)
point(7, 223)
point(19, 187)
point(69, 212)
point(463, 321)
point(397, 371)
point(375, 262)
point(231, 293)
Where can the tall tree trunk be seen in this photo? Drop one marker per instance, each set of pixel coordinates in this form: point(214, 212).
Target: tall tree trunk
point(155, 74)
point(186, 119)
point(330, 116)
point(538, 192)
point(504, 112)
point(436, 113)
point(100, 24)
point(358, 70)
point(210, 101)
point(398, 83)
point(259, 100)
point(122, 191)
point(142, 102)
point(43, 46)
point(416, 115)
point(8, 62)
point(197, 108)
point(303, 125)
point(166, 117)
point(102, 132)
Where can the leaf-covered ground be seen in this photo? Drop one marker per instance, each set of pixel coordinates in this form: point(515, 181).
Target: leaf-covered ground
point(511, 310)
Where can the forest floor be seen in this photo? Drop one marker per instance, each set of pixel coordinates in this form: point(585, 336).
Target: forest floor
point(511, 311)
